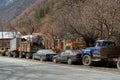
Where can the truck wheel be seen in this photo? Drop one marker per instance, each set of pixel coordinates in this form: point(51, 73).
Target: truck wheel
point(14, 54)
point(33, 57)
point(118, 63)
point(54, 60)
point(69, 61)
point(3, 54)
point(27, 56)
point(41, 59)
point(0, 54)
point(20, 55)
point(10, 54)
point(6, 53)
point(86, 60)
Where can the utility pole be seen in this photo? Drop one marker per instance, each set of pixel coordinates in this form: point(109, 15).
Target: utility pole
point(2, 41)
point(2, 36)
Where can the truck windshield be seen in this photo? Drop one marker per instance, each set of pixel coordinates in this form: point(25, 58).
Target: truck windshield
point(109, 44)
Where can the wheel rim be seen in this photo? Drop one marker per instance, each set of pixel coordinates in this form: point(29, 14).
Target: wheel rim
point(69, 61)
point(54, 60)
point(8, 55)
point(14, 55)
point(33, 57)
point(27, 56)
point(41, 59)
point(86, 60)
point(20, 55)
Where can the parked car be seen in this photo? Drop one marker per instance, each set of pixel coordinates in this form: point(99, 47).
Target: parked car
point(44, 55)
point(68, 56)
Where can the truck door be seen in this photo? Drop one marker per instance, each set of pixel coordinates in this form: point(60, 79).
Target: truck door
point(96, 50)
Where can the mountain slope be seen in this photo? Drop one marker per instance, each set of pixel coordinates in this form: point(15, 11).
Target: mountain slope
point(9, 9)
point(4, 3)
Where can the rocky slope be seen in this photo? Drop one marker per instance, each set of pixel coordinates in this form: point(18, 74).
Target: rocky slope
point(9, 9)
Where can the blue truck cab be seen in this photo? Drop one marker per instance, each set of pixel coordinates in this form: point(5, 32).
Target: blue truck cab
point(93, 53)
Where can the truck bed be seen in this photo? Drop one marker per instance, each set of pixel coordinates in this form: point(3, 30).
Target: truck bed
point(25, 46)
point(110, 52)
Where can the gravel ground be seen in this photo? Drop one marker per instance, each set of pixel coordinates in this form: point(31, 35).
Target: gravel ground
point(22, 69)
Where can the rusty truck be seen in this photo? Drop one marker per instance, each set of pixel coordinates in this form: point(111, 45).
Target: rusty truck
point(25, 47)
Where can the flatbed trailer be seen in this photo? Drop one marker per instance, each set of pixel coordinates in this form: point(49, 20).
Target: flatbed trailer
point(111, 54)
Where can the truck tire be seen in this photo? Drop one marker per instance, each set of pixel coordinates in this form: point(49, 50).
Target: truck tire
point(69, 61)
point(54, 60)
point(41, 59)
point(27, 56)
point(2, 54)
point(20, 55)
point(33, 57)
point(118, 63)
point(86, 60)
point(6, 53)
point(9, 55)
point(14, 54)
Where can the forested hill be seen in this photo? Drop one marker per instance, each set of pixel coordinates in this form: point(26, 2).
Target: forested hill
point(72, 19)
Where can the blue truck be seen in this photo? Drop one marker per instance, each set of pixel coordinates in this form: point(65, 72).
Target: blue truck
point(104, 50)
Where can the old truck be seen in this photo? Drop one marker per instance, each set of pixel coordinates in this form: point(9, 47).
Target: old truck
point(104, 50)
point(75, 45)
point(21, 47)
point(3, 50)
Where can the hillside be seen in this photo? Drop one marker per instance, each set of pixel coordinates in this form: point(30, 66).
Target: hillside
point(72, 19)
point(9, 9)
point(4, 3)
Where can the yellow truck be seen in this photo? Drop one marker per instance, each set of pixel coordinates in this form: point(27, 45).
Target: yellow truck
point(75, 45)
